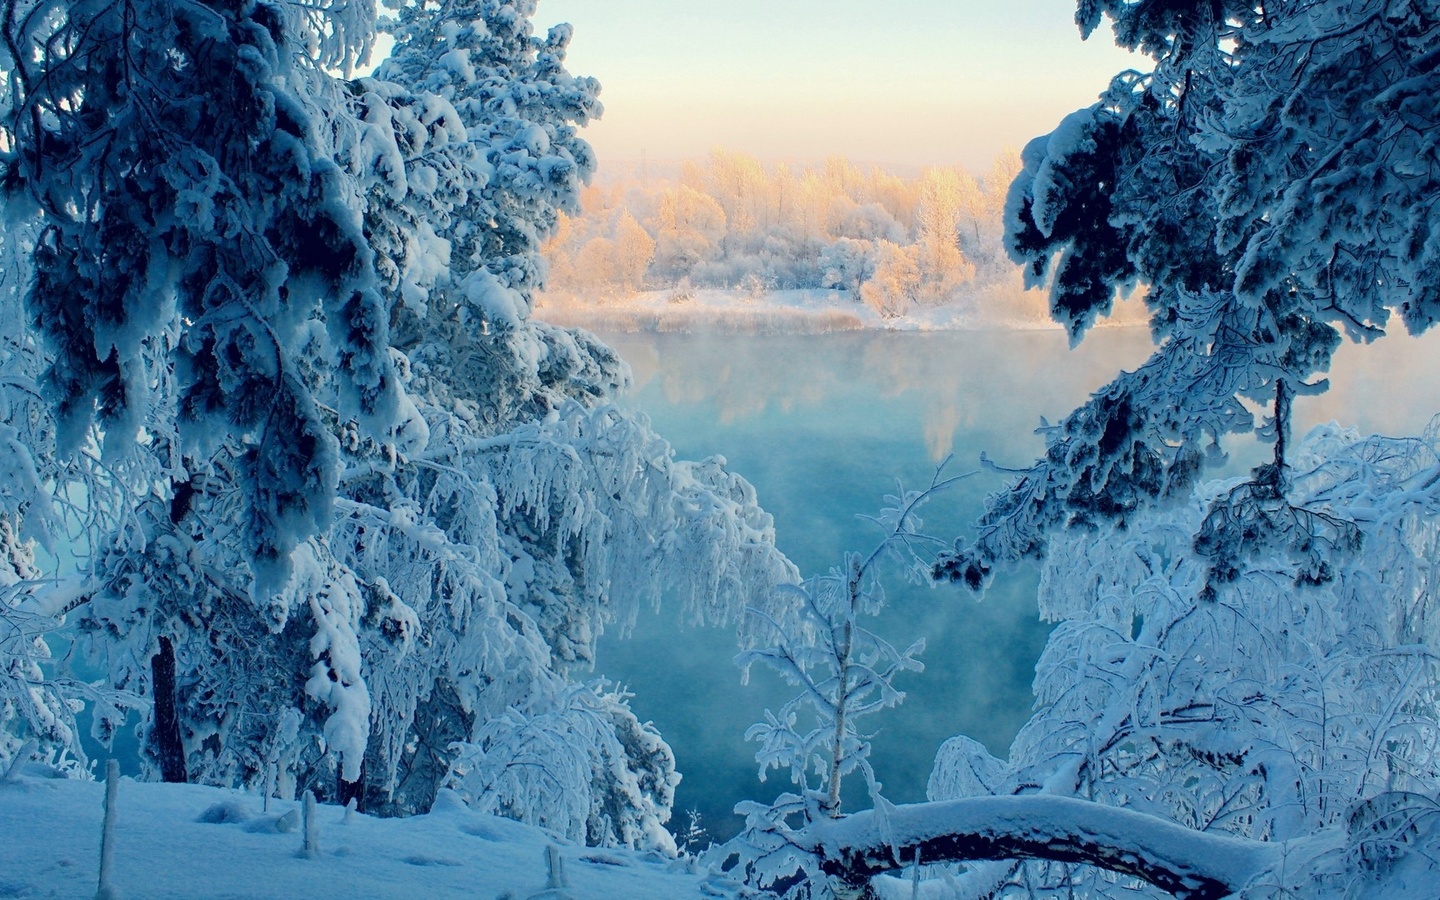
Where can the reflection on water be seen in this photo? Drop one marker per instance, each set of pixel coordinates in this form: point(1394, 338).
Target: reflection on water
point(823, 425)
point(952, 380)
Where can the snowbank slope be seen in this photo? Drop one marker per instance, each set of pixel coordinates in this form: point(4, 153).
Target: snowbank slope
point(187, 841)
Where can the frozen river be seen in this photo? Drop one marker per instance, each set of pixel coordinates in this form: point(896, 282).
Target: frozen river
point(823, 425)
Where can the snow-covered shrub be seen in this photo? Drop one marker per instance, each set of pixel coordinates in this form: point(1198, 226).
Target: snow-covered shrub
point(585, 767)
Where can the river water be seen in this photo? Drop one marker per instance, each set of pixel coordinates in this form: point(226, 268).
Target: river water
point(823, 425)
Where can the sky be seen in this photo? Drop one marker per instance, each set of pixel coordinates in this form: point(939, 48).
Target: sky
point(901, 82)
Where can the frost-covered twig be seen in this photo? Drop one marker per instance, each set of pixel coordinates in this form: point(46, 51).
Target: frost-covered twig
point(311, 823)
point(106, 888)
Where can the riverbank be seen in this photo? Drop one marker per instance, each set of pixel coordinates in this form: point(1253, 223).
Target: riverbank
point(999, 307)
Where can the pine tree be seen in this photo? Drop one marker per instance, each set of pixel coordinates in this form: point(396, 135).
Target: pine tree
point(1269, 183)
point(209, 304)
point(201, 272)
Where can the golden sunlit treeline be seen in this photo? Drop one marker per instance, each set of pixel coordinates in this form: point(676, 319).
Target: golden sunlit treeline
point(730, 221)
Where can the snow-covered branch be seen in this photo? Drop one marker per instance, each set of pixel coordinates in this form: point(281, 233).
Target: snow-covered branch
point(1185, 862)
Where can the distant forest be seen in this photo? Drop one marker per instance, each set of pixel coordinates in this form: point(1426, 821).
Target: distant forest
point(729, 221)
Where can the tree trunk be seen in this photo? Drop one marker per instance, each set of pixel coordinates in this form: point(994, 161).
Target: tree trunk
point(351, 790)
point(1283, 395)
point(165, 733)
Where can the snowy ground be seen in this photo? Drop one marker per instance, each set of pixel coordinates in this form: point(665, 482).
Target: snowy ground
point(175, 841)
point(781, 312)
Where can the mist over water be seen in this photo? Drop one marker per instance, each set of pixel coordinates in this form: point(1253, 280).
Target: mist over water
point(823, 425)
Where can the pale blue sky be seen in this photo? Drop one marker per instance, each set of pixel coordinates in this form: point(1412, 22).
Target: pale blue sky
point(914, 82)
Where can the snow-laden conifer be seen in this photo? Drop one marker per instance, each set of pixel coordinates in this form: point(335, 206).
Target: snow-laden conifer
point(195, 222)
point(377, 515)
point(1270, 186)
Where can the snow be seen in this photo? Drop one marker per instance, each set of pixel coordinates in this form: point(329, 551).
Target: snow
point(187, 841)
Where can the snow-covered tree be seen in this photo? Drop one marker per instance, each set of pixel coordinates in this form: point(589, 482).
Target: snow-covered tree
point(535, 514)
point(848, 264)
point(1270, 185)
point(200, 277)
point(1261, 709)
point(949, 199)
point(815, 638)
point(634, 249)
point(463, 512)
point(896, 281)
point(687, 226)
point(201, 271)
point(209, 303)
point(1254, 738)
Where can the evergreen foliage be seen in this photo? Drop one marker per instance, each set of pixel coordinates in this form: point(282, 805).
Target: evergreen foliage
point(1270, 185)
